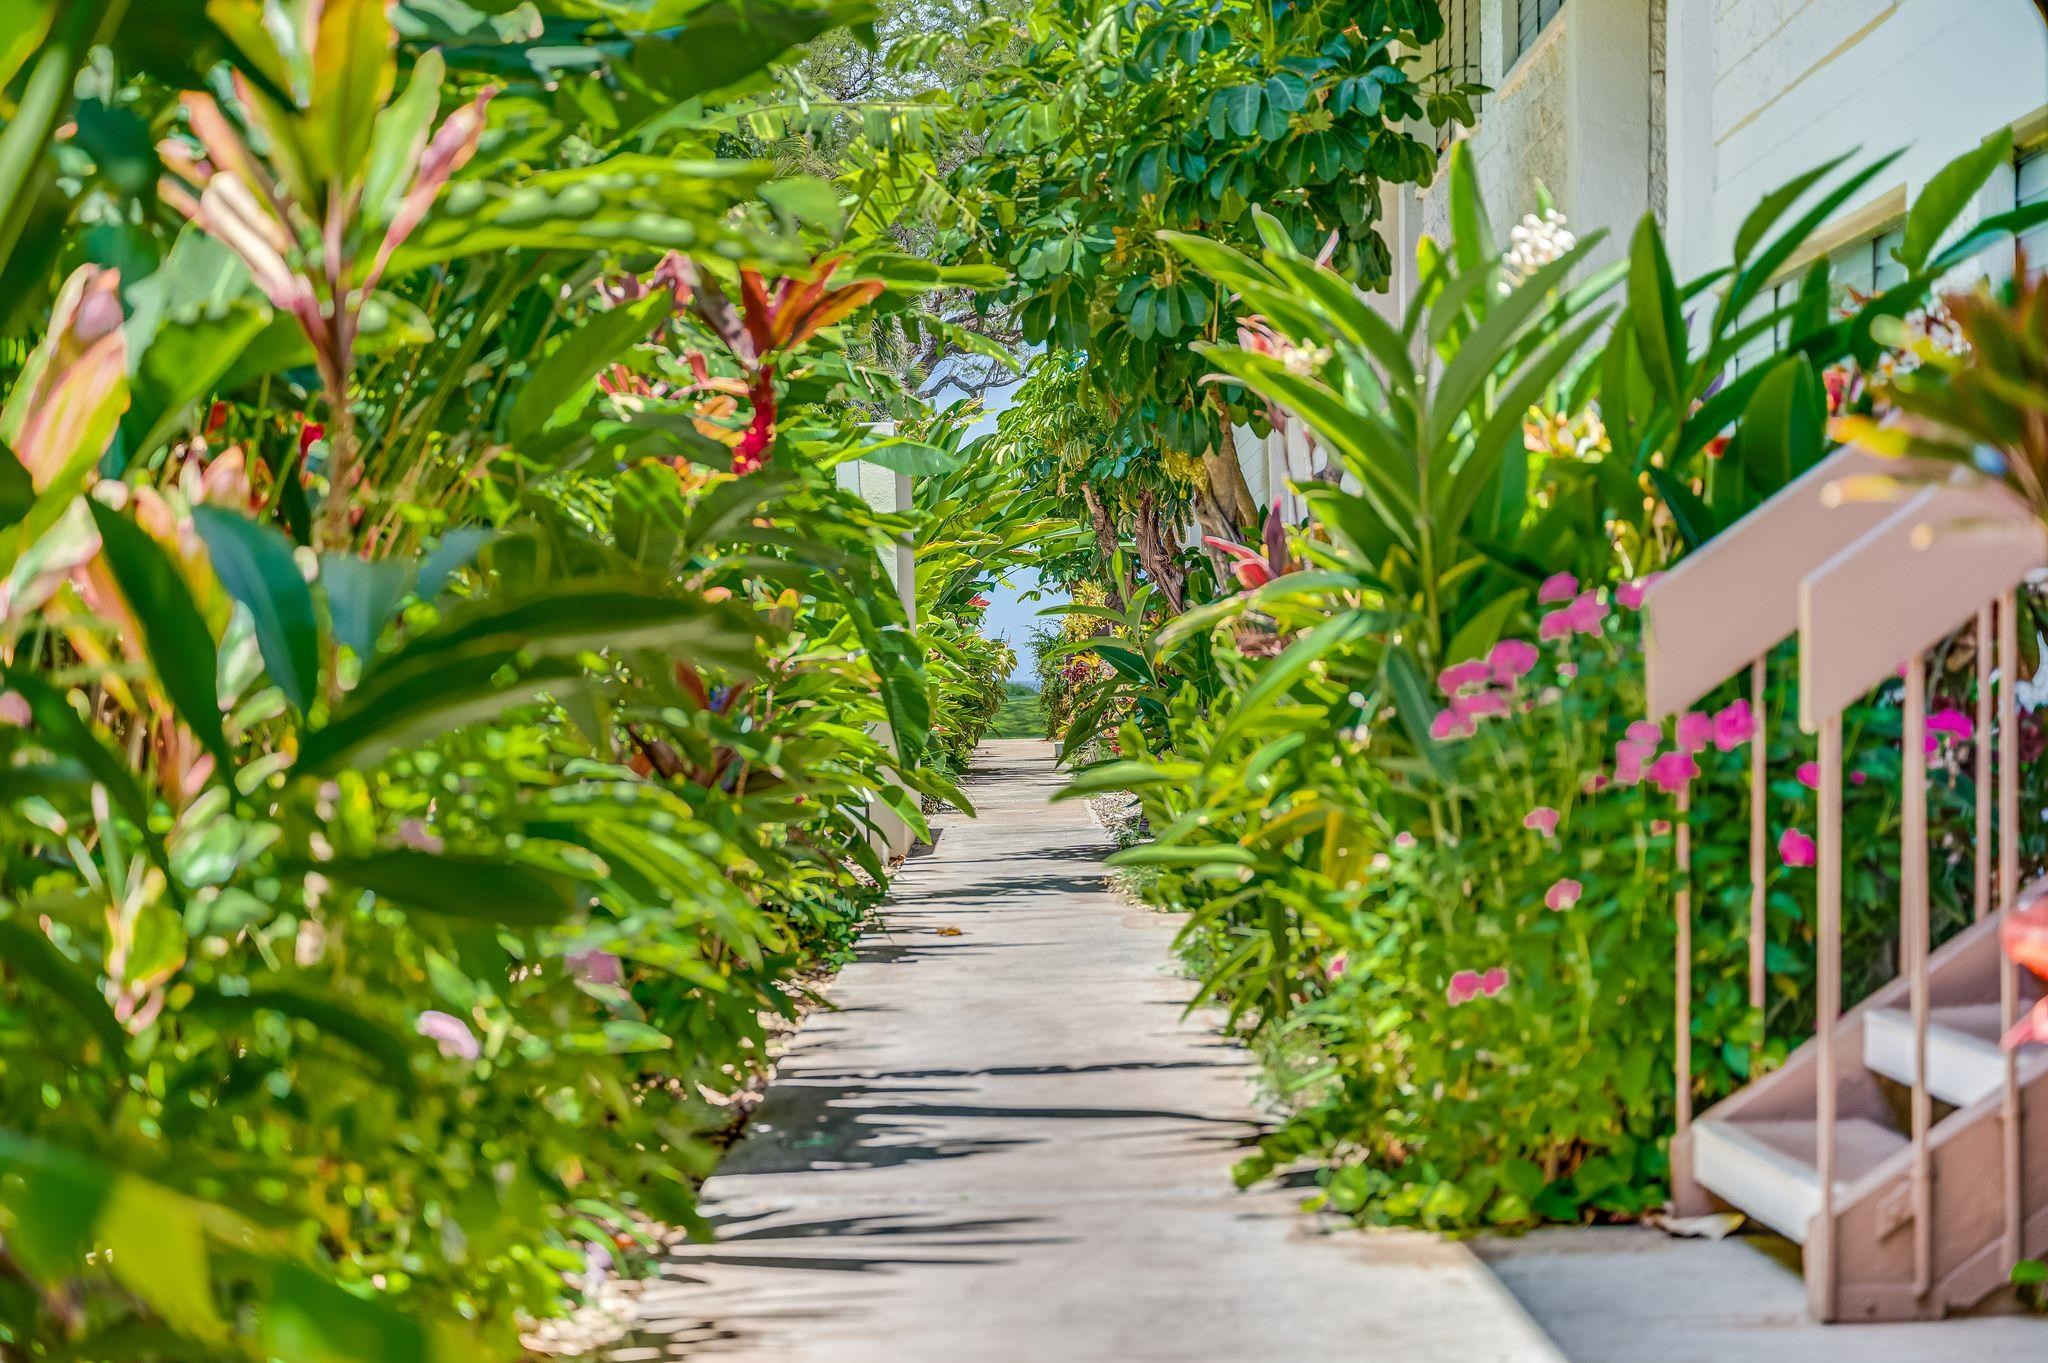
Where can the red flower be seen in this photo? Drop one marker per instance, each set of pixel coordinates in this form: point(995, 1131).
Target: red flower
point(309, 434)
point(980, 603)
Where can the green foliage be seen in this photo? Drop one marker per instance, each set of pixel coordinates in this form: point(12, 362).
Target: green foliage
point(447, 681)
point(1108, 124)
point(1349, 765)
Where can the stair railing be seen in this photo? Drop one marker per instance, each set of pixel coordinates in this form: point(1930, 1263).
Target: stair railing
point(1898, 590)
point(1692, 644)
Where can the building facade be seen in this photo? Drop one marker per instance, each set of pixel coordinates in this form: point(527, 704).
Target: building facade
point(1697, 109)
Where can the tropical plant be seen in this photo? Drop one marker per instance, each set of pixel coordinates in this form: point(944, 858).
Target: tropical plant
point(428, 760)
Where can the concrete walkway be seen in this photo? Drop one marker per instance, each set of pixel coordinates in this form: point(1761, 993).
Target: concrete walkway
point(1006, 1145)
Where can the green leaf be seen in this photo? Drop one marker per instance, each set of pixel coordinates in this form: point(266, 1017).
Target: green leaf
point(417, 704)
point(362, 595)
point(255, 564)
point(1653, 310)
point(913, 457)
point(1238, 107)
point(557, 387)
point(33, 956)
point(487, 889)
point(391, 1051)
point(725, 45)
point(180, 647)
point(1156, 854)
point(1952, 189)
point(1283, 672)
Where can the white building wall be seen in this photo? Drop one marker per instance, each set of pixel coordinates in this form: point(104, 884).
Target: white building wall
point(1745, 95)
point(1799, 81)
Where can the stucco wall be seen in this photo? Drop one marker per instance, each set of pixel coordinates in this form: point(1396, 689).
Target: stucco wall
point(1799, 81)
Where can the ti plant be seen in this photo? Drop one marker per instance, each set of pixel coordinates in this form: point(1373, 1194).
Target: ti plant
point(348, 175)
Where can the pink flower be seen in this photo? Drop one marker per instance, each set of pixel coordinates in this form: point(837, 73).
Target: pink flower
point(1543, 819)
point(1485, 703)
point(1450, 724)
point(1404, 840)
point(1642, 731)
point(1673, 772)
point(1588, 613)
point(1468, 985)
point(1857, 778)
point(1630, 594)
point(1631, 757)
point(1950, 722)
point(1511, 660)
point(1734, 725)
point(598, 967)
point(1567, 670)
point(14, 710)
point(1659, 827)
point(1464, 676)
point(1594, 783)
point(1561, 587)
point(450, 1033)
point(1809, 775)
point(979, 603)
point(1554, 626)
point(1335, 969)
point(1796, 849)
point(1695, 731)
point(1562, 895)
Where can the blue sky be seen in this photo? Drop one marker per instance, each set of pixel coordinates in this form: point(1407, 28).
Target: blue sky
point(1011, 618)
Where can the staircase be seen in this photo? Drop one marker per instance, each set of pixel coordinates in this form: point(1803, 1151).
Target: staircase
point(1903, 1149)
point(1758, 1150)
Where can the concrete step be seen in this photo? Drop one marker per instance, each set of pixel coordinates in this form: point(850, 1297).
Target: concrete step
point(1767, 1168)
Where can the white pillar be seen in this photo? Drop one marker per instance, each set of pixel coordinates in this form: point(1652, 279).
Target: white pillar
point(1607, 118)
point(1689, 135)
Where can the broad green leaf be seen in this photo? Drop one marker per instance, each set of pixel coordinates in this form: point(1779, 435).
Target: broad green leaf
point(179, 646)
point(391, 1052)
point(489, 889)
point(34, 957)
point(362, 595)
point(558, 386)
point(1653, 310)
point(1952, 189)
point(355, 64)
point(255, 564)
point(913, 457)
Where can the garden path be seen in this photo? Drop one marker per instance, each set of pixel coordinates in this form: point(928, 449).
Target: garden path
point(1007, 1145)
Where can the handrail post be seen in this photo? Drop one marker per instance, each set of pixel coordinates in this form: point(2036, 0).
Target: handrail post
point(1981, 872)
point(1687, 1199)
point(1823, 1268)
point(1759, 776)
point(1913, 952)
point(2008, 898)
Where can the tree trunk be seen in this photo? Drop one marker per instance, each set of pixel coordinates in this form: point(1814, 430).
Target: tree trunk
point(1105, 545)
point(1226, 476)
point(1156, 552)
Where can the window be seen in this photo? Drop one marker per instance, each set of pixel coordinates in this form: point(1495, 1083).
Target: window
point(1454, 58)
point(1530, 18)
point(2033, 187)
point(1459, 49)
point(1865, 268)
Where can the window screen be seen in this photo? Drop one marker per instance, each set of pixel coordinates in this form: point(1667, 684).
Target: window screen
point(1530, 17)
point(2033, 184)
point(1865, 268)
